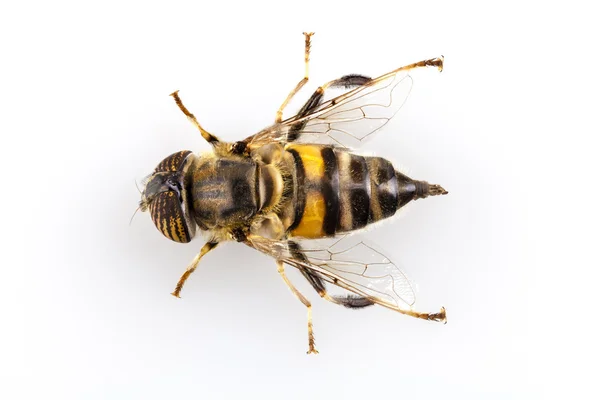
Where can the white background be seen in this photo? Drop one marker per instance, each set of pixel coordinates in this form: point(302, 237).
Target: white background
point(509, 128)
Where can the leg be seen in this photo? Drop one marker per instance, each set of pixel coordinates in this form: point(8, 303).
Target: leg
point(311, 337)
point(354, 301)
point(192, 267)
point(302, 82)
point(209, 137)
point(346, 82)
point(349, 301)
point(437, 317)
point(354, 80)
point(432, 62)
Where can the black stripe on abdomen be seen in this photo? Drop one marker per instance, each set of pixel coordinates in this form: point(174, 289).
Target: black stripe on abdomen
point(299, 189)
point(360, 193)
point(330, 191)
point(354, 191)
point(360, 208)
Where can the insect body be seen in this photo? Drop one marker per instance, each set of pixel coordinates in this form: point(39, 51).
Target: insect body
point(297, 181)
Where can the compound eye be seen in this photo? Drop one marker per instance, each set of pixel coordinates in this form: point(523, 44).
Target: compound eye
point(168, 203)
point(167, 214)
point(174, 162)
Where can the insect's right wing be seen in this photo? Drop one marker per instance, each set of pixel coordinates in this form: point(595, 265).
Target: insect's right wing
point(350, 118)
point(352, 264)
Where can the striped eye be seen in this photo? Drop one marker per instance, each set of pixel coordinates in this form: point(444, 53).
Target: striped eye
point(174, 162)
point(167, 200)
point(168, 215)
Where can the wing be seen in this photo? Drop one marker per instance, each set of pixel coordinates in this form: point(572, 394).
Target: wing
point(350, 118)
point(347, 262)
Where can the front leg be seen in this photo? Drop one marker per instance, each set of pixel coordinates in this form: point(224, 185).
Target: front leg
point(192, 267)
point(209, 137)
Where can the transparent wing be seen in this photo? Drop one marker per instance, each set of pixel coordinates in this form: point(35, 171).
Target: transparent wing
point(347, 262)
point(351, 118)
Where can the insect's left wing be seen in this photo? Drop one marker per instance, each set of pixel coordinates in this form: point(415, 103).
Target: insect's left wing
point(350, 118)
point(351, 264)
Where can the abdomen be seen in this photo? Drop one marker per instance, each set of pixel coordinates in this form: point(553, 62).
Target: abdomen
point(339, 191)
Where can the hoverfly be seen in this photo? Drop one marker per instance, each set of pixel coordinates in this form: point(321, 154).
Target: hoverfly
point(295, 192)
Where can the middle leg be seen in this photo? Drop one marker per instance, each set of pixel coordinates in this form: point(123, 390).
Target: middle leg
point(304, 300)
point(302, 82)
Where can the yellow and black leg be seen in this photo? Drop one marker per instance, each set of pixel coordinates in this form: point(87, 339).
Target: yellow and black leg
point(304, 300)
point(302, 82)
point(209, 137)
point(353, 81)
point(347, 82)
point(354, 301)
point(438, 317)
point(192, 267)
point(348, 301)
